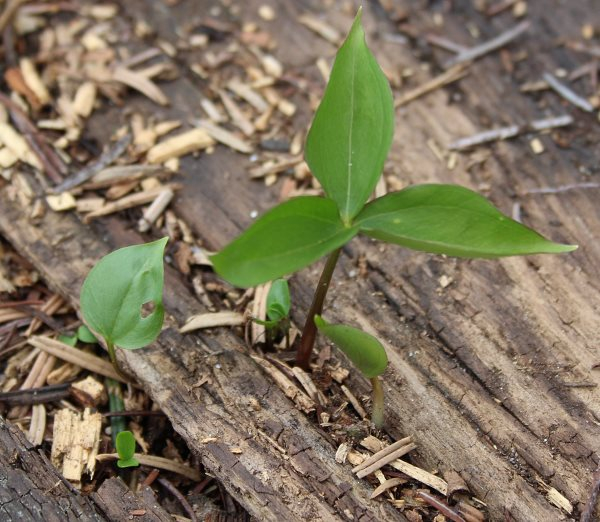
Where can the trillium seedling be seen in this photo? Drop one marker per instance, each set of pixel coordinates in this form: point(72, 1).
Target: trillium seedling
point(277, 324)
point(117, 289)
point(126, 450)
point(346, 147)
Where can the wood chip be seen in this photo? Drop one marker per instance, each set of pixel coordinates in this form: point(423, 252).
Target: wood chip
point(140, 83)
point(76, 439)
point(131, 201)
point(355, 402)
point(85, 98)
point(387, 459)
point(157, 207)
point(34, 81)
point(236, 114)
point(453, 74)
point(291, 391)
point(248, 94)
point(190, 141)
point(61, 202)
point(321, 28)
point(408, 469)
point(37, 427)
point(94, 389)
point(225, 137)
point(211, 320)
point(259, 311)
point(12, 140)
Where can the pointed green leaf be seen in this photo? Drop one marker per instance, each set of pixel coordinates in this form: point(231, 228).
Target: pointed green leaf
point(366, 352)
point(285, 239)
point(126, 450)
point(352, 130)
point(85, 335)
point(278, 300)
point(117, 288)
point(451, 220)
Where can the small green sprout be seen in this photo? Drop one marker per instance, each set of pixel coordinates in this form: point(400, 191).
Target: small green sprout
point(126, 450)
point(116, 292)
point(365, 352)
point(277, 324)
point(346, 148)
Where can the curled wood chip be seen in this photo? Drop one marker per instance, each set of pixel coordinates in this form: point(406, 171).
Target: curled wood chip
point(210, 320)
point(179, 145)
point(456, 483)
point(34, 81)
point(140, 83)
point(388, 484)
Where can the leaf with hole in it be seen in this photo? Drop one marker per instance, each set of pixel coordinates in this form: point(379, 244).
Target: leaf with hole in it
point(352, 130)
point(366, 352)
point(126, 450)
point(85, 335)
point(451, 220)
point(116, 290)
point(278, 300)
point(285, 239)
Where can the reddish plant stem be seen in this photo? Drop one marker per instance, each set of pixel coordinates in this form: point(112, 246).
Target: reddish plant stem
point(309, 333)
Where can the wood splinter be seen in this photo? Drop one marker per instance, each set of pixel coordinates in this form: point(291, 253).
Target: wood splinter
point(158, 206)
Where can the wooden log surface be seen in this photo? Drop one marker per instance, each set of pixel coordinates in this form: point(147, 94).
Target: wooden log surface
point(492, 374)
point(30, 487)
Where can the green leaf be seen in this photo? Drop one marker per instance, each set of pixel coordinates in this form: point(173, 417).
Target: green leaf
point(126, 450)
point(278, 300)
point(451, 220)
point(285, 239)
point(352, 130)
point(117, 288)
point(85, 335)
point(71, 340)
point(366, 352)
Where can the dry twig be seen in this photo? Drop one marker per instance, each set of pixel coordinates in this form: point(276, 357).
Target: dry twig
point(568, 94)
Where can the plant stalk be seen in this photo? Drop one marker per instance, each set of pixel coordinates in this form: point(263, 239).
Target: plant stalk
point(309, 333)
point(378, 408)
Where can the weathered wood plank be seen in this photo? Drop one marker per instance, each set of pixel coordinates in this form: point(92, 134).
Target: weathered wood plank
point(31, 489)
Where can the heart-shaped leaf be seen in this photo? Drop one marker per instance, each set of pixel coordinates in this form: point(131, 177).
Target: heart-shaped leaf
point(285, 239)
point(126, 450)
point(366, 352)
point(451, 220)
point(116, 290)
point(352, 130)
point(278, 300)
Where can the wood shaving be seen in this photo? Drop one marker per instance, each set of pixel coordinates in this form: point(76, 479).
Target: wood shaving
point(212, 320)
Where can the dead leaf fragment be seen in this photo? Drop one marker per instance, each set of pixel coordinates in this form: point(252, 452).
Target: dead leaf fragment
point(211, 320)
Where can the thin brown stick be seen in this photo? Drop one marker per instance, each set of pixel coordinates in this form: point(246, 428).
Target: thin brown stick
point(31, 396)
point(567, 93)
point(504, 133)
point(399, 452)
point(106, 158)
point(472, 53)
point(451, 75)
point(441, 506)
point(177, 494)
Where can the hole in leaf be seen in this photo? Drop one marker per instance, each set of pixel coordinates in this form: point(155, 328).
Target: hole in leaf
point(147, 309)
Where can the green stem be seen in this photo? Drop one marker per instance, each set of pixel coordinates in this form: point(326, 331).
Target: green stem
point(309, 333)
point(378, 411)
point(115, 403)
point(113, 359)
